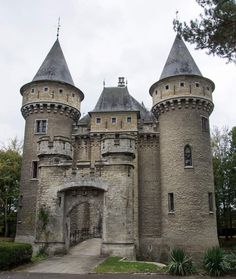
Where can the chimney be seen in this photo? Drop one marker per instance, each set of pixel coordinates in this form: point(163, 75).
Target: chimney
point(121, 82)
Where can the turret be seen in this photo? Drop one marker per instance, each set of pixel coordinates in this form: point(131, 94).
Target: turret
point(118, 153)
point(182, 102)
point(51, 104)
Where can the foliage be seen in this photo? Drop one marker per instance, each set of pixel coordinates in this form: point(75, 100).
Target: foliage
point(40, 256)
point(215, 30)
point(10, 167)
point(116, 264)
point(231, 260)
point(214, 262)
point(180, 263)
point(14, 254)
point(43, 218)
point(224, 166)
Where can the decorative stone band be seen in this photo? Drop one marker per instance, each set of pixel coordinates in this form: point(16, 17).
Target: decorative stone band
point(58, 146)
point(50, 107)
point(182, 102)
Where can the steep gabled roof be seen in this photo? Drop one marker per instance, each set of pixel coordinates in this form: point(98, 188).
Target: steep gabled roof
point(179, 61)
point(54, 67)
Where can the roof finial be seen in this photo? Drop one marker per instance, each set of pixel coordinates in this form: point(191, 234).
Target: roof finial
point(58, 27)
point(176, 15)
point(104, 82)
point(126, 82)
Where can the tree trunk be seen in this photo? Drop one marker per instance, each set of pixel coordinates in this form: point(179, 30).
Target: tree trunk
point(5, 219)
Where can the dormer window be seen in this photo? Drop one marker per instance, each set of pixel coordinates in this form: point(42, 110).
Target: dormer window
point(197, 84)
point(113, 120)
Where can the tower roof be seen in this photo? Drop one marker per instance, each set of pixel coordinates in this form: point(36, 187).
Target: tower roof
point(179, 61)
point(54, 67)
point(115, 99)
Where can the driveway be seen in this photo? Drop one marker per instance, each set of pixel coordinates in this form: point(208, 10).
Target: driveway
point(81, 259)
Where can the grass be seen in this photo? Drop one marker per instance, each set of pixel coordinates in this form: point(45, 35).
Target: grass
point(116, 264)
point(40, 256)
point(6, 239)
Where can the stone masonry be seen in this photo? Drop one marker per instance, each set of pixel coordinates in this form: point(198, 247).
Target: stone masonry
point(140, 180)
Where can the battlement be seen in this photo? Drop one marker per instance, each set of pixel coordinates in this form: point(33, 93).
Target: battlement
point(113, 144)
point(182, 91)
point(58, 146)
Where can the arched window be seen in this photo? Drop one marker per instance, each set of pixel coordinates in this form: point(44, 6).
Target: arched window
point(187, 156)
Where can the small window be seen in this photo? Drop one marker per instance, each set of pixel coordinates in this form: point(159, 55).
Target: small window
point(171, 206)
point(156, 92)
point(32, 90)
point(128, 119)
point(60, 90)
point(73, 95)
point(45, 89)
point(34, 169)
point(41, 127)
point(205, 124)
point(98, 120)
point(210, 201)
point(167, 87)
point(113, 120)
point(182, 84)
point(197, 84)
point(187, 156)
point(208, 88)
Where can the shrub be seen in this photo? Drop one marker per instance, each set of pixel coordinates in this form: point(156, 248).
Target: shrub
point(14, 254)
point(214, 262)
point(180, 263)
point(231, 261)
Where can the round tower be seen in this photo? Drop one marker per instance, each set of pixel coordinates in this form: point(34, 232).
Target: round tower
point(118, 153)
point(51, 104)
point(182, 102)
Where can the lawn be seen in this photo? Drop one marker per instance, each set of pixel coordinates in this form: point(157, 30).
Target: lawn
point(117, 264)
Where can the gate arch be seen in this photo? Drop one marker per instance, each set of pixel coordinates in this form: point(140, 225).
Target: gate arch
point(83, 212)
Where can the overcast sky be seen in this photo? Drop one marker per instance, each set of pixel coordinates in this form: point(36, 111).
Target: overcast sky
point(101, 39)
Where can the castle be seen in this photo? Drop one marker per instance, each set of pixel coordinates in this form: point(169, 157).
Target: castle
point(140, 180)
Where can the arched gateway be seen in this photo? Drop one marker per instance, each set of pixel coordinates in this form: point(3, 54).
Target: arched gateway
point(83, 212)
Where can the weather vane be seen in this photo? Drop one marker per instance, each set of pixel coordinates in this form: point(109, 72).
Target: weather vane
point(58, 27)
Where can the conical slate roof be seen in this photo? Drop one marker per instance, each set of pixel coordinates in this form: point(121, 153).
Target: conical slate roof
point(115, 99)
point(54, 67)
point(179, 61)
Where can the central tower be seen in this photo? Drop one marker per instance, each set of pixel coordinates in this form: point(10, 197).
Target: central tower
point(182, 102)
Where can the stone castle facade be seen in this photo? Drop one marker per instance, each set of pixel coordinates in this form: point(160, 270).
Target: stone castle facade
point(140, 180)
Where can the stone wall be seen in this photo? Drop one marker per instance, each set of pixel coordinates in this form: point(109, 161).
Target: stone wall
point(190, 225)
point(106, 124)
point(149, 196)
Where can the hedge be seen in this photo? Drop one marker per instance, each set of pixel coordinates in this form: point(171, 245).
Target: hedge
point(14, 254)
